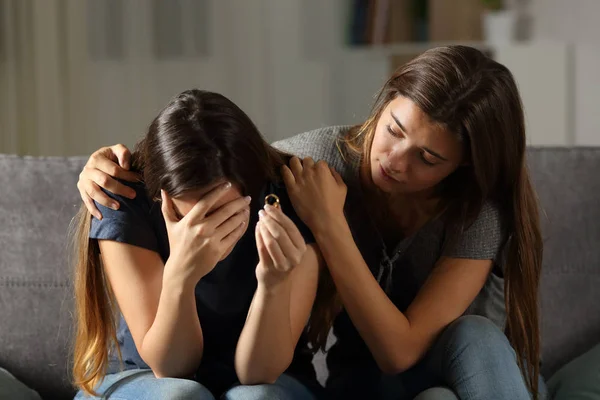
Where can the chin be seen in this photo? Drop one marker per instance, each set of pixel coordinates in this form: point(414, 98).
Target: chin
point(385, 186)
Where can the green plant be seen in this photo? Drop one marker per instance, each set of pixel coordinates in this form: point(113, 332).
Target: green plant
point(493, 4)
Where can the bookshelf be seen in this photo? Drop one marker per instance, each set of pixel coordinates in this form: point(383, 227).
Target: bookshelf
point(411, 22)
point(543, 71)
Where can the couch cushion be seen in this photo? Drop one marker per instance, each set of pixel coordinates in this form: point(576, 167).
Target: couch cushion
point(579, 379)
point(38, 199)
point(568, 184)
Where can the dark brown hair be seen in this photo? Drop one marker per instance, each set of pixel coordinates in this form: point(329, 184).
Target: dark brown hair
point(477, 99)
point(199, 138)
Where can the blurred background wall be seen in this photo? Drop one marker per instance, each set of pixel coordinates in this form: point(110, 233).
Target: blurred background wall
point(79, 74)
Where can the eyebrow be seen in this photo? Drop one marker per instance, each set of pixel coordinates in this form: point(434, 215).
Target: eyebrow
point(433, 153)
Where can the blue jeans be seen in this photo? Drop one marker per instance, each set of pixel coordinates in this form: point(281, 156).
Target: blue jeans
point(471, 360)
point(141, 384)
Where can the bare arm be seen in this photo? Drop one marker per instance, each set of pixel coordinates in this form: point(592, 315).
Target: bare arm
point(397, 340)
point(160, 312)
point(158, 301)
point(281, 305)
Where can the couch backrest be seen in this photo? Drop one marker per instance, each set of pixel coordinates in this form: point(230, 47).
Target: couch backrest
point(568, 184)
point(38, 198)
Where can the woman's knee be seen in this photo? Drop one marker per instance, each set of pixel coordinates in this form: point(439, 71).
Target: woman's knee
point(477, 361)
point(143, 385)
point(477, 336)
point(437, 393)
point(180, 389)
point(256, 392)
point(285, 388)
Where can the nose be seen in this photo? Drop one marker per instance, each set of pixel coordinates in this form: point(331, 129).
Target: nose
point(398, 160)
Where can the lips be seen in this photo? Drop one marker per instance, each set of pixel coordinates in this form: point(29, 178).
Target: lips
point(385, 174)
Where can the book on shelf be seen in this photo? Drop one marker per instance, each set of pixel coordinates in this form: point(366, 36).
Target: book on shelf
point(378, 22)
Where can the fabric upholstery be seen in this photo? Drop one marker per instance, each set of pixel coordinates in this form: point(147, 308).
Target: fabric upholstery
point(39, 197)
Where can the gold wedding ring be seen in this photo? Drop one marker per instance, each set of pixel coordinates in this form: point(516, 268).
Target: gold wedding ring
point(272, 200)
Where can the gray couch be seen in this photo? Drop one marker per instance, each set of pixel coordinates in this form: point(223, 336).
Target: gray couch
point(38, 199)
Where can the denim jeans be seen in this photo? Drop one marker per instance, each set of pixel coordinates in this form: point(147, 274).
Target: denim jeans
point(141, 384)
point(471, 360)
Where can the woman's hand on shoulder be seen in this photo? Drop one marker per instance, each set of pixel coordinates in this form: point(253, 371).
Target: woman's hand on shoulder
point(100, 171)
point(317, 191)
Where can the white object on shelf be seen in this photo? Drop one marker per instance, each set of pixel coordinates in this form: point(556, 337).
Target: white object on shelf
point(499, 26)
point(543, 75)
point(542, 71)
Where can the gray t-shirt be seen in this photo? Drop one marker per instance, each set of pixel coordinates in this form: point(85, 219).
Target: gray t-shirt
point(402, 270)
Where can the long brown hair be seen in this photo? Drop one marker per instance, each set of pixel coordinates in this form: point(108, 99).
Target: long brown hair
point(477, 99)
point(197, 139)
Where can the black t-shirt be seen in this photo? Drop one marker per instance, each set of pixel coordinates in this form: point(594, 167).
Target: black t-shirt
point(223, 296)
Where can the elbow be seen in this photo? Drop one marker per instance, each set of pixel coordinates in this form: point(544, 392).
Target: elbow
point(258, 376)
point(161, 371)
point(167, 369)
point(392, 368)
point(257, 380)
point(394, 365)
point(265, 374)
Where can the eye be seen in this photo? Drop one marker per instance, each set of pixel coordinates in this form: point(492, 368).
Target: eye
point(425, 160)
point(392, 132)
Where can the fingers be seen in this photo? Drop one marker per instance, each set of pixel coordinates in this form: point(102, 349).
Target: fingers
point(106, 181)
point(263, 253)
point(89, 189)
point(337, 176)
point(227, 210)
point(283, 251)
point(231, 239)
point(202, 207)
point(308, 163)
point(288, 176)
point(89, 204)
point(167, 208)
point(106, 160)
point(232, 223)
point(288, 225)
point(272, 245)
point(322, 165)
point(123, 155)
point(296, 166)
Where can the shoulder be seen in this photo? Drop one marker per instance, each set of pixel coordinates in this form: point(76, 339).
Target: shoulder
point(318, 143)
point(483, 239)
point(138, 207)
point(489, 220)
point(133, 223)
point(324, 144)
